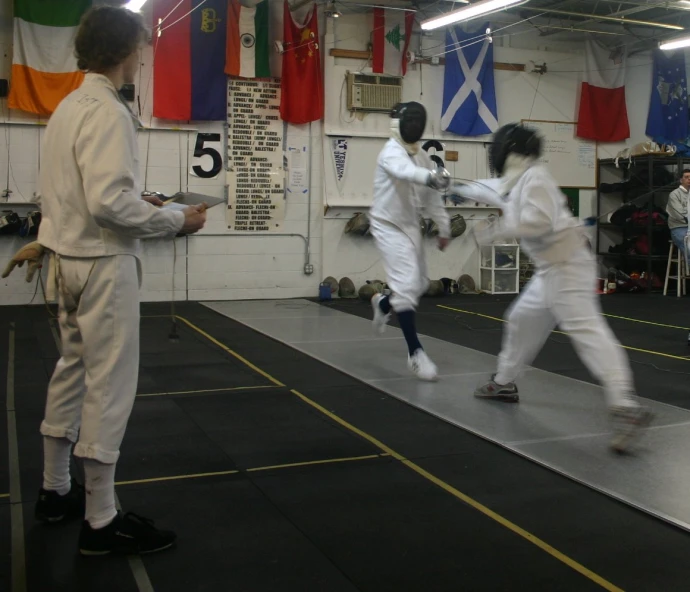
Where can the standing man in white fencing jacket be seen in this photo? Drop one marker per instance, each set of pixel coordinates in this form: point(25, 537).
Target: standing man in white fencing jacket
point(93, 220)
point(562, 291)
point(406, 186)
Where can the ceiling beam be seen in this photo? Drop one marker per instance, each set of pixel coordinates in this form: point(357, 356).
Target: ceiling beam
point(604, 18)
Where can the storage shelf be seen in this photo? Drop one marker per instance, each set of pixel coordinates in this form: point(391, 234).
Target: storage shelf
point(625, 255)
point(645, 158)
point(654, 168)
point(609, 226)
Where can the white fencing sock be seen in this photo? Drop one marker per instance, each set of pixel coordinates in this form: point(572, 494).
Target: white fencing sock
point(56, 455)
point(100, 493)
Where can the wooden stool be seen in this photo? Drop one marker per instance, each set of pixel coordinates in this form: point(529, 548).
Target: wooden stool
point(681, 270)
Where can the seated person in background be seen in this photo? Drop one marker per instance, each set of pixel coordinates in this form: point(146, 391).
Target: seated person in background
point(677, 209)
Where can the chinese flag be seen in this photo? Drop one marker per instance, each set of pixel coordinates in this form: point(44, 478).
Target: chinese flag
point(301, 85)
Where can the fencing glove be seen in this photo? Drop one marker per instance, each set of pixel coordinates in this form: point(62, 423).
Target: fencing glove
point(439, 179)
point(33, 254)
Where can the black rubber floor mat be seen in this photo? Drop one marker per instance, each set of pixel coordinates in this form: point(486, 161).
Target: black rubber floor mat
point(5, 548)
point(389, 529)
point(230, 537)
point(589, 527)
point(270, 428)
point(162, 441)
point(53, 561)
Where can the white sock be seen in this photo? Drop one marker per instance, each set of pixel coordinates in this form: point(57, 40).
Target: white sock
point(56, 454)
point(100, 493)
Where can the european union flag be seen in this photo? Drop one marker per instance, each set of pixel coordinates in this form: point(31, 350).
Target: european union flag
point(667, 121)
point(469, 93)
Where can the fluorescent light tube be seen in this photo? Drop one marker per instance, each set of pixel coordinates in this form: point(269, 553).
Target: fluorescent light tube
point(468, 12)
point(675, 43)
point(135, 5)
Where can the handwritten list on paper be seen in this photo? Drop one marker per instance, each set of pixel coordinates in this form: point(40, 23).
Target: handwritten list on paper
point(256, 175)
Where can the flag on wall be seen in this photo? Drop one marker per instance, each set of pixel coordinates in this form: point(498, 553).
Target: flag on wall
point(667, 120)
point(603, 114)
point(469, 91)
point(391, 39)
point(247, 45)
point(189, 81)
point(301, 84)
point(44, 68)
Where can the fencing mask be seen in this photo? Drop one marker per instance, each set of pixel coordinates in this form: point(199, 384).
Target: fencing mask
point(411, 119)
point(516, 139)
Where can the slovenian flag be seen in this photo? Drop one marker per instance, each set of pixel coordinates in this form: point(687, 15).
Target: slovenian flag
point(391, 39)
point(247, 48)
point(189, 81)
point(603, 114)
point(44, 68)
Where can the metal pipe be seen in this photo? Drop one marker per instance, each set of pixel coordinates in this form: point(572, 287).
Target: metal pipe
point(311, 161)
point(598, 17)
point(574, 29)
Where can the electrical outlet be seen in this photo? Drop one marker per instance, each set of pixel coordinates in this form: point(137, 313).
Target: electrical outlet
point(308, 269)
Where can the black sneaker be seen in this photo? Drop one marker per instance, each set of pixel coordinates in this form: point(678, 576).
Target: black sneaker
point(52, 507)
point(127, 535)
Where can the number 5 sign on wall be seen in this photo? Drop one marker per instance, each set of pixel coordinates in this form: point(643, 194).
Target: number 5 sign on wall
point(208, 161)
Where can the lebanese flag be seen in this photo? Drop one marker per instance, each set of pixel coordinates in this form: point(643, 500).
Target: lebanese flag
point(603, 114)
point(247, 50)
point(301, 84)
point(391, 35)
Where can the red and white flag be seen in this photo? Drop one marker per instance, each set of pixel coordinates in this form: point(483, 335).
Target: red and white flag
point(603, 114)
point(391, 38)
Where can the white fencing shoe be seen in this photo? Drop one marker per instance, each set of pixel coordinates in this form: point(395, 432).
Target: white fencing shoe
point(422, 366)
point(380, 318)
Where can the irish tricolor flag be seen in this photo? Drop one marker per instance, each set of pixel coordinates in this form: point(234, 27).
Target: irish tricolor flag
point(391, 38)
point(247, 46)
point(44, 69)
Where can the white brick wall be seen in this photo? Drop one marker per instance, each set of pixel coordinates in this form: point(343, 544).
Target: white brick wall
point(217, 265)
point(220, 265)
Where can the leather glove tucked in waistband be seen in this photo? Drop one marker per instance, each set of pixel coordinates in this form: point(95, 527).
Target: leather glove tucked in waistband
point(33, 254)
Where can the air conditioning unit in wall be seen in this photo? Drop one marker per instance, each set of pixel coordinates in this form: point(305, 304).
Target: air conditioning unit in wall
point(373, 92)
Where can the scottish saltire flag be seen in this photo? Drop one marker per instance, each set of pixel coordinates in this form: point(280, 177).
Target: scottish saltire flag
point(469, 93)
point(667, 120)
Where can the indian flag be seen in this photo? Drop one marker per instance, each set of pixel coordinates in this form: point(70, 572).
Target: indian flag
point(246, 54)
point(44, 68)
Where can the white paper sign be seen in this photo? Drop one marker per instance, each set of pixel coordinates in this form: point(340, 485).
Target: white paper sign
point(256, 179)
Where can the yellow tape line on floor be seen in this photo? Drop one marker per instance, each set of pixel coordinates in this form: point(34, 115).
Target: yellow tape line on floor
point(308, 463)
point(637, 349)
point(214, 390)
point(435, 480)
point(231, 352)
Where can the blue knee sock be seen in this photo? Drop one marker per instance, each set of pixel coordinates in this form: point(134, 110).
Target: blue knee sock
point(385, 305)
point(407, 324)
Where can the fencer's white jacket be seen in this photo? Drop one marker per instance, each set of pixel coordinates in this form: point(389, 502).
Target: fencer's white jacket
point(401, 194)
point(535, 212)
point(89, 191)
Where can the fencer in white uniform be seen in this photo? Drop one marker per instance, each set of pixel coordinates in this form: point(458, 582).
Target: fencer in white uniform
point(93, 217)
point(562, 291)
point(407, 185)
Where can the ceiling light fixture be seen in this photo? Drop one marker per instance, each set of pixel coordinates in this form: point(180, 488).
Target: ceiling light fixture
point(135, 5)
point(675, 43)
point(468, 12)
